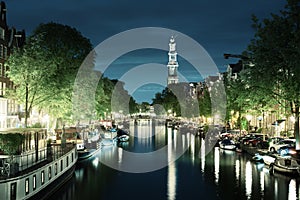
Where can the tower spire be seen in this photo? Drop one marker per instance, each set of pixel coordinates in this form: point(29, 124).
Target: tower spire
point(172, 64)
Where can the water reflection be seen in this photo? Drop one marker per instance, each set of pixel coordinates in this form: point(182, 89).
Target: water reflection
point(202, 155)
point(262, 181)
point(237, 170)
point(172, 179)
point(217, 165)
point(248, 179)
point(292, 189)
point(218, 175)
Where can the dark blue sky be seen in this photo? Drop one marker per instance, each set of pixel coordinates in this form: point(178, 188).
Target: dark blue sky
point(219, 26)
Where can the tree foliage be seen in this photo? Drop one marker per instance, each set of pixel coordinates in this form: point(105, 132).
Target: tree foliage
point(11, 142)
point(44, 70)
point(275, 53)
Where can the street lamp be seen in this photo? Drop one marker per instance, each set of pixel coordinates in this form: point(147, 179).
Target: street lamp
point(259, 119)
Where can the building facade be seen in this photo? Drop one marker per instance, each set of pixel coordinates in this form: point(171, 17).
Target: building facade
point(10, 39)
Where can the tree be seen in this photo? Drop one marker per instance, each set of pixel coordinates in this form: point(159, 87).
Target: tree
point(205, 103)
point(45, 69)
point(276, 57)
point(176, 98)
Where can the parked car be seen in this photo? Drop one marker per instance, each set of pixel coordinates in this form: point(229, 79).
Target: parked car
point(275, 139)
point(262, 143)
point(287, 150)
point(245, 139)
point(286, 142)
point(253, 140)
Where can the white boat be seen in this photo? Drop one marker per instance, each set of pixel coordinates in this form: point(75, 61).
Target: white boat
point(227, 144)
point(36, 169)
point(286, 165)
point(268, 158)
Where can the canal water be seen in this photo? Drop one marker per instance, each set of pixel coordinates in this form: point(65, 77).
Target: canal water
point(132, 171)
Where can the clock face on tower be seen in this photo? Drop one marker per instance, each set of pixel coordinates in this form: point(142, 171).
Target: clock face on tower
point(171, 71)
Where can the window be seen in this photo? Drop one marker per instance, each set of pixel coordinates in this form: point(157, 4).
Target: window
point(34, 182)
point(61, 165)
point(42, 177)
point(27, 186)
point(4, 70)
point(55, 169)
point(13, 191)
point(67, 161)
point(1, 69)
point(1, 92)
point(72, 157)
point(5, 53)
point(2, 33)
point(49, 173)
point(1, 51)
point(3, 88)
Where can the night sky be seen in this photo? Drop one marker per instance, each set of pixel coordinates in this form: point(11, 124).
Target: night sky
point(219, 26)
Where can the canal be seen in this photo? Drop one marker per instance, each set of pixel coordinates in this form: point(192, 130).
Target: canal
point(179, 168)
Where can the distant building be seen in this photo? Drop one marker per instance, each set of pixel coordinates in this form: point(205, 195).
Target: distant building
point(234, 69)
point(10, 39)
point(172, 64)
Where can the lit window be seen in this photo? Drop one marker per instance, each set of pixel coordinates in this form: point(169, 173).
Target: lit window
point(43, 177)
point(34, 182)
point(27, 186)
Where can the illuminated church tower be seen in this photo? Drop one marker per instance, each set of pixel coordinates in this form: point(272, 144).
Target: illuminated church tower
point(172, 64)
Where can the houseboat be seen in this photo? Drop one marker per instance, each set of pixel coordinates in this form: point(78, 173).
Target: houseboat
point(31, 167)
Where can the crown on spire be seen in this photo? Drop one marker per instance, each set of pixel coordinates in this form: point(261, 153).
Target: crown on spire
point(172, 39)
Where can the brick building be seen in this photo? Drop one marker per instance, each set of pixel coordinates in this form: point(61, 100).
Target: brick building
point(10, 39)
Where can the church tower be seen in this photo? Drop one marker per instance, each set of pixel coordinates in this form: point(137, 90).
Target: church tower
point(172, 64)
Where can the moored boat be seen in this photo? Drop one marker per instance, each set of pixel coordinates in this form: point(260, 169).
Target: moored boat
point(122, 136)
point(257, 158)
point(286, 165)
point(35, 168)
point(268, 158)
point(227, 144)
point(86, 153)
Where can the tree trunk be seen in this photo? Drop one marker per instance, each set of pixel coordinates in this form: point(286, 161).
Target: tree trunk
point(296, 128)
point(26, 105)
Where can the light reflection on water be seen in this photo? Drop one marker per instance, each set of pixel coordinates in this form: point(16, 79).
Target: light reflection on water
point(172, 179)
point(195, 175)
point(217, 165)
point(248, 179)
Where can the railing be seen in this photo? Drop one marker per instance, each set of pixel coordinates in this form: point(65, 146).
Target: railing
point(15, 164)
